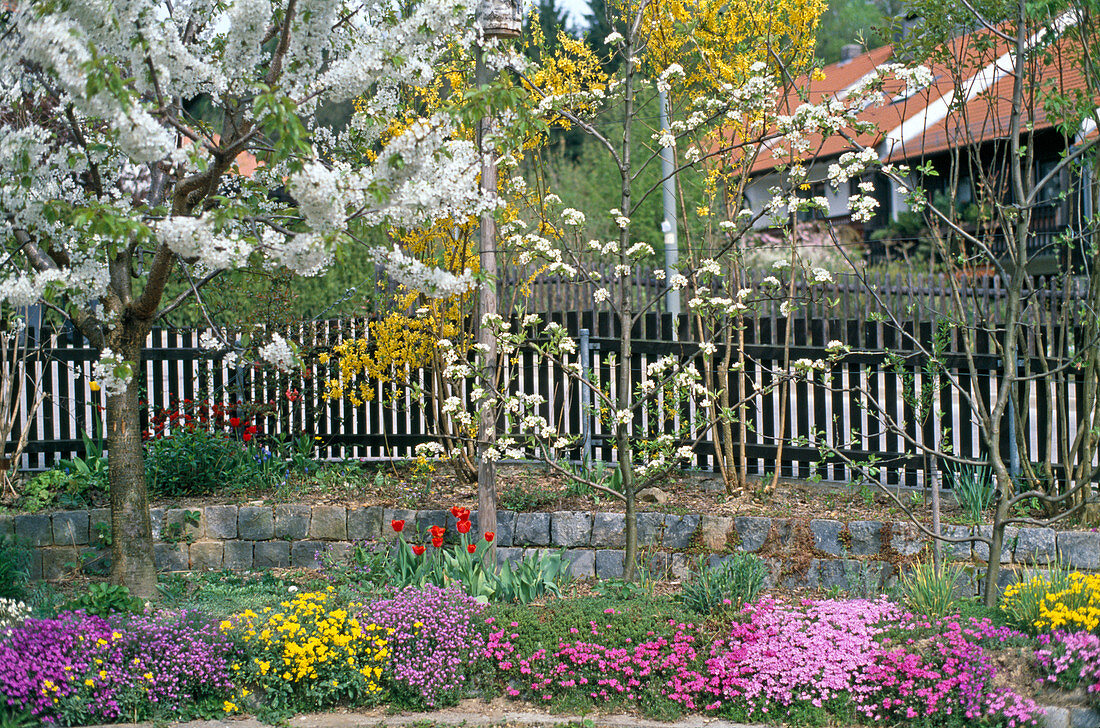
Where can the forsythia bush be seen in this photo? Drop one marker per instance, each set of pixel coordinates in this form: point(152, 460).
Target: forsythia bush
point(308, 654)
point(1068, 602)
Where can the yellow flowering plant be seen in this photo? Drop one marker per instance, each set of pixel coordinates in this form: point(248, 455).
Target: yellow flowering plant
point(308, 654)
point(1061, 600)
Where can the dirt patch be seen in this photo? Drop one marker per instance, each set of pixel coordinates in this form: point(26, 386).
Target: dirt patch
point(533, 488)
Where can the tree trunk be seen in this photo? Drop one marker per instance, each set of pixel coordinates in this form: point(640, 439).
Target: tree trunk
point(132, 562)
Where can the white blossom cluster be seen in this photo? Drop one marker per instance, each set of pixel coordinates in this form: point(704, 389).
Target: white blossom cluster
point(112, 373)
point(116, 66)
point(433, 282)
point(280, 353)
point(195, 239)
point(12, 614)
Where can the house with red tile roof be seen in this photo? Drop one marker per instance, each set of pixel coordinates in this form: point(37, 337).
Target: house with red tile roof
point(957, 131)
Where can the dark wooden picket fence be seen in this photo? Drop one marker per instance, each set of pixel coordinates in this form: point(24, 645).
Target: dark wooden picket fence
point(845, 407)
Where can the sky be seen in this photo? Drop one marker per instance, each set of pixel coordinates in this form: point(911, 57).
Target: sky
point(577, 9)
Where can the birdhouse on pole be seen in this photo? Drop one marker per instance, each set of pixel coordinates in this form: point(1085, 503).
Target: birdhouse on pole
point(500, 18)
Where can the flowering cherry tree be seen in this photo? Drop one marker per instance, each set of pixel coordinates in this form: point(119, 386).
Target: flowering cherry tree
point(112, 183)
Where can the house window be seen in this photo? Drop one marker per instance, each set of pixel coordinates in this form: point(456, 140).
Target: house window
point(814, 189)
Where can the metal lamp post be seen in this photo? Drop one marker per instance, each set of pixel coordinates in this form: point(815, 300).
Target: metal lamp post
point(497, 19)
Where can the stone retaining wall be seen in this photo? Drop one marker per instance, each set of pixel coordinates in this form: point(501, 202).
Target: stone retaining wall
point(814, 553)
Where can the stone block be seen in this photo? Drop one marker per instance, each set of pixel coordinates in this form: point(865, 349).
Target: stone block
point(238, 555)
point(99, 525)
point(256, 523)
point(752, 531)
point(1035, 546)
point(967, 583)
point(453, 536)
point(532, 529)
point(70, 528)
point(1084, 718)
point(156, 521)
point(271, 555)
point(7, 525)
point(221, 522)
point(656, 564)
point(97, 562)
point(306, 554)
point(33, 529)
point(426, 519)
point(34, 565)
point(506, 528)
point(582, 563)
point(608, 530)
point(365, 524)
point(329, 523)
point(981, 550)
point(680, 530)
point(808, 577)
point(1054, 717)
point(678, 566)
point(962, 551)
point(178, 523)
point(827, 536)
point(207, 556)
point(570, 529)
point(610, 563)
point(59, 562)
point(1080, 550)
point(715, 532)
point(292, 522)
point(651, 528)
point(511, 554)
point(906, 539)
point(390, 515)
point(866, 538)
point(851, 576)
point(171, 557)
point(338, 550)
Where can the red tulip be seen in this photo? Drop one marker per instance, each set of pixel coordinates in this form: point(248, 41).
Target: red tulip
point(234, 421)
point(397, 526)
point(455, 510)
point(250, 430)
point(246, 437)
point(437, 532)
point(471, 547)
point(418, 550)
point(437, 542)
point(463, 527)
point(463, 514)
point(489, 536)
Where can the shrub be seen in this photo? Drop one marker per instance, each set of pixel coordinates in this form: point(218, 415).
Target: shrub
point(13, 569)
point(435, 637)
point(931, 591)
point(727, 585)
point(308, 655)
point(974, 489)
point(80, 668)
point(785, 660)
point(102, 600)
point(1057, 600)
point(951, 679)
point(1069, 661)
point(193, 462)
